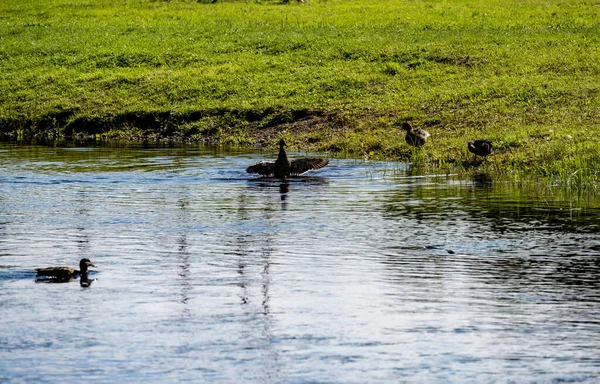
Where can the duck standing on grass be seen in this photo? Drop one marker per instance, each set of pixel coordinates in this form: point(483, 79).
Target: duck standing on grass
point(283, 167)
point(415, 137)
point(65, 273)
point(480, 147)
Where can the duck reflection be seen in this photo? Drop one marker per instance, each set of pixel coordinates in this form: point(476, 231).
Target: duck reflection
point(284, 188)
point(85, 281)
point(54, 280)
point(482, 180)
point(271, 184)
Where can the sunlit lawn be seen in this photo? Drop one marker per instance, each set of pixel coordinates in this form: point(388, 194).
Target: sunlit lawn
point(522, 73)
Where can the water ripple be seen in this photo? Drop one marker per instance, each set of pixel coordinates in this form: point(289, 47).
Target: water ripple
point(360, 272)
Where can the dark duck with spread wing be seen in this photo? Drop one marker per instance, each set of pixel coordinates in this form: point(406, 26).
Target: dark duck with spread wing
point(417, 137)
point(283, 167)
point(65, 273)
point(480, 147)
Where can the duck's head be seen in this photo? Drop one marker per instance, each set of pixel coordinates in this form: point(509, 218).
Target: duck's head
point(84, 264)
point(282, 143)
point(406, 126)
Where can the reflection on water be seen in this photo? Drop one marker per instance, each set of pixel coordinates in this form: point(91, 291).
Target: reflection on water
point(360, 272)
point(84, 280)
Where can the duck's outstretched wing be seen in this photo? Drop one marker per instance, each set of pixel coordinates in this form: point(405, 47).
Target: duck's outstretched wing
point(299, 166)
point(264, 168)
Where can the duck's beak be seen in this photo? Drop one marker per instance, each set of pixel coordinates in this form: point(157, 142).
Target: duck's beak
point(91, 265)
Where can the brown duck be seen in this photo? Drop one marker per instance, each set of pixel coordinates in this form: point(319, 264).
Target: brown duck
point(65, 273)
point(415, 137)
point(283, 167)
point(480, 147)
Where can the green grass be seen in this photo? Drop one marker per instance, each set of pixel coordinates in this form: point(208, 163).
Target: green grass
point(333, 76)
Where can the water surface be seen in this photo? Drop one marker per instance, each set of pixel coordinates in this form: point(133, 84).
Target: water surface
point(359, 272)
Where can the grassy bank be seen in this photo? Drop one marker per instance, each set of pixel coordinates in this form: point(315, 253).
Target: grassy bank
point(333, 76)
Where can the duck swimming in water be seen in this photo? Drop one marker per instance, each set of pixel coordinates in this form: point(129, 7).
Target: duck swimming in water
point(65, 273)
point(283, 167)
point(417, 137)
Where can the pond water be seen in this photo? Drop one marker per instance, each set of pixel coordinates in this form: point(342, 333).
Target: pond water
point(360, 272)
